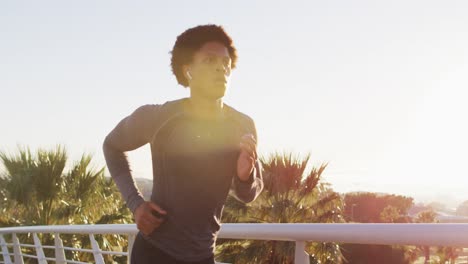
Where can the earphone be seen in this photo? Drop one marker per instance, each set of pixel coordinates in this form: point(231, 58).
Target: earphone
point(189, 75)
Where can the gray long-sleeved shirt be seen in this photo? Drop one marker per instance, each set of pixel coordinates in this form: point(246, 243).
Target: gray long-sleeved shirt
point(194, 167)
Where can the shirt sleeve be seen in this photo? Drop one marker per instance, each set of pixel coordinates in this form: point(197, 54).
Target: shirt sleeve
point(130, 133)
point(248, 191)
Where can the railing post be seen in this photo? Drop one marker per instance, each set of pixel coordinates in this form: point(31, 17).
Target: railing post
point(300, 256)
point(96, 250)
point(5, 252)
point(17, 250)
point(39, 251)
point(59, 250)
point(131, 240)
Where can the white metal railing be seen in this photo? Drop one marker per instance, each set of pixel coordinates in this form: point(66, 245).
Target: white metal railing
point(455, 235)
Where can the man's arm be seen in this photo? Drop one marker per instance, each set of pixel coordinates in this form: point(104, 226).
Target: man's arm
point(246, 189)
point(131, 133)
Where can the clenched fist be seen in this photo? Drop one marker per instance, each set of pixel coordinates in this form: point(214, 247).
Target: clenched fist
point(146, 219)
point(247, 157)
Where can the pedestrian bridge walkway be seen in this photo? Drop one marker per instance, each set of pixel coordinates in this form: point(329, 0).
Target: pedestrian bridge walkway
point(12, 248)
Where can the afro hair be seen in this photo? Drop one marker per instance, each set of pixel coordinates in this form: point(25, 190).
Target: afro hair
point(191, 40)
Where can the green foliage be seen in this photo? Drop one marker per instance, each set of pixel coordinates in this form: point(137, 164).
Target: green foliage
point(389, 214)
point(428, 216)
point(382, 254)
point(448, 254)
point(366, 207)
point(34, 182)
point(291, 195)
point(442, 254)
point(35, 189)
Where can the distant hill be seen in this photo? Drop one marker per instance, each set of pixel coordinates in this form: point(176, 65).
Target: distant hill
point(145, 186)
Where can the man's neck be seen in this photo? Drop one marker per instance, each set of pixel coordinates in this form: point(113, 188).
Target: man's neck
point(206, 108)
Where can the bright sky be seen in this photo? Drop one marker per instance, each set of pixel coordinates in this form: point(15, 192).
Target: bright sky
point(376, 88)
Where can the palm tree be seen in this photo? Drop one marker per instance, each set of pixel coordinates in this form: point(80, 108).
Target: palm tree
point(444, 254)
point(34, 182)
point(291, 195)
point(426, 217)
point(389, 214)
point(37, 190)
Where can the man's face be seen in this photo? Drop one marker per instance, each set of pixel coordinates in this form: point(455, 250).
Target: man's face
point(210, 71)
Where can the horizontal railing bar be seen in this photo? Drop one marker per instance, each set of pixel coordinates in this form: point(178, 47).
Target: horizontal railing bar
point(74, 229)
point(92, 251)
point(378, 234)
point(114, 253)
point(27, 245)
point(87, 250)
point(434, 234)
point(75, 262)
point(29, 256)
point(45, 246)
point(51, 259)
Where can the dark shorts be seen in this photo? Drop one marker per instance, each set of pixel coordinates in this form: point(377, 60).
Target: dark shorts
point(144, 252)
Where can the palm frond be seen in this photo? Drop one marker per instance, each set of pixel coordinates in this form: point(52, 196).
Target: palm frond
point(292, 194)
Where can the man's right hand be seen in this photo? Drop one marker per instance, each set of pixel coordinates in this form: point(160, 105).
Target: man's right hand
point(145, 220)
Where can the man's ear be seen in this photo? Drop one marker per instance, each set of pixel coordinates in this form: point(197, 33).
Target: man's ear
point(186, 72)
